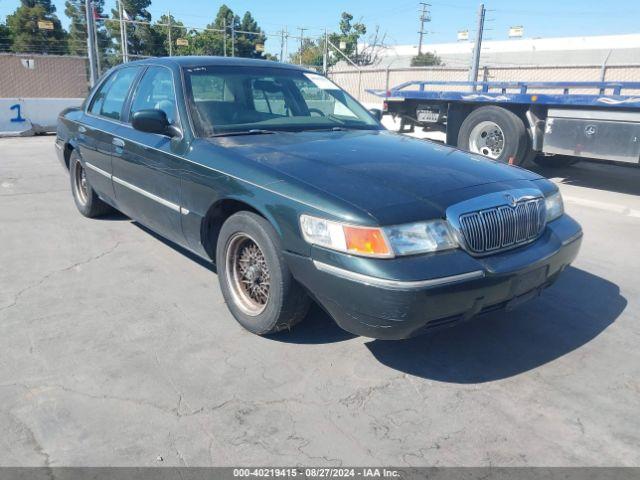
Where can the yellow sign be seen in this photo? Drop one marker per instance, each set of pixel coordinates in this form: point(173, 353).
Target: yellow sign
point(517, 31)
point(45, 24)
point(343, 45)
point(463, 35)
point(182, 42)
point(259, 47)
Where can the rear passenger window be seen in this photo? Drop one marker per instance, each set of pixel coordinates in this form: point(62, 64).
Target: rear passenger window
point(155, 91)
point(110, 99)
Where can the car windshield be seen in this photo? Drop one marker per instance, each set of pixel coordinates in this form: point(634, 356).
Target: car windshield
point(225, 99)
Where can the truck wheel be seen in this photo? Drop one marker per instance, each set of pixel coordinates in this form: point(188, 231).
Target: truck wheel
point(496, 133)
point(556, 161)
point(85, 198)
point(255, 281)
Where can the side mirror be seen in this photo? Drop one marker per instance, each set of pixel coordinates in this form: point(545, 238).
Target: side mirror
point(377, 113)
point(153, 121)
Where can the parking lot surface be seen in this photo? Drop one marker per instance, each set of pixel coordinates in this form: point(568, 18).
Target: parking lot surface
point(116, 348)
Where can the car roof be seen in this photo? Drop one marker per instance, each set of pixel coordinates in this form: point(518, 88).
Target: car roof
point(205, 61)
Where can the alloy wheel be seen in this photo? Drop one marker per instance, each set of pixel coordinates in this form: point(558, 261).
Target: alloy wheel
point(248, 274)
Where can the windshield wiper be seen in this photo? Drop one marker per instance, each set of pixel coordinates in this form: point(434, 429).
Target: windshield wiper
point(253, 131)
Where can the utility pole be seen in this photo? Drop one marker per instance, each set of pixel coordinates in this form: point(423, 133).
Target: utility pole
point(224, 36)
point(95, 40)
point(282, 45)
point(121, 31)
point(424, 17)
point(301, 44)
point(475, 61)
point(286, 42)
point(170, 39)
point(91, 47)
point(233, 40)
point(123, 34)
point(325, 53)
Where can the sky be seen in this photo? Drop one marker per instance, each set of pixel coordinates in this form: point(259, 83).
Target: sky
point(399, 19)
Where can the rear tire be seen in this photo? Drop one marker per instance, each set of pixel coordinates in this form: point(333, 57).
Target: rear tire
point(84, 196)
point(254, 278)
point(496, 133)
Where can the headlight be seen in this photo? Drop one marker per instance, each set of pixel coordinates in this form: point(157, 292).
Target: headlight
point(554, 206)
point(368, 241)
point(421, 237)
point(378, 242)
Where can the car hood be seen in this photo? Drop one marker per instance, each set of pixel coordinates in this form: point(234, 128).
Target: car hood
point(378, 171)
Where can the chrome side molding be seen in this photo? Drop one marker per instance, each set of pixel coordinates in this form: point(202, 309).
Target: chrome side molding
point(396, 284)
point(160, 200)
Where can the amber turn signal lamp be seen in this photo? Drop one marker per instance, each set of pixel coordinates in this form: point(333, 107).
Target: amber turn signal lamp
point(369, 241)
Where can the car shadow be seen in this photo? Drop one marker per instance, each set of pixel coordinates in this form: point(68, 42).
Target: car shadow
point(503, 344)
point(317, 328)
point(190, 255)
point(113, 216)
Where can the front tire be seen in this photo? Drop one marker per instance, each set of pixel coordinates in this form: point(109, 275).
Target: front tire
point(255, 281)
point(84, 196)
point(496, 133)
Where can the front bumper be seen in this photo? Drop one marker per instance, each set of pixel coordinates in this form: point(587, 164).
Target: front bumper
point(411, 295)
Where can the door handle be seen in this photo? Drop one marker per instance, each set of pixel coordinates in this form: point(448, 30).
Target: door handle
point(118, 142)
point(82, 129)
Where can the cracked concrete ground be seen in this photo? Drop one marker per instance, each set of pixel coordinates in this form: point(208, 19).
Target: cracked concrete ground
point(117, 349)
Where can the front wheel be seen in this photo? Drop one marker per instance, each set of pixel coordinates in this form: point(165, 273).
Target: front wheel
point(255, 281)
point(496, 133)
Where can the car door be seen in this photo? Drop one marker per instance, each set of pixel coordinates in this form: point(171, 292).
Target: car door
point(98, 128)
point(146, 166)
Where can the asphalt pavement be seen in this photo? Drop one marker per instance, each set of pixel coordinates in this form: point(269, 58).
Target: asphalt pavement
point(116, 348)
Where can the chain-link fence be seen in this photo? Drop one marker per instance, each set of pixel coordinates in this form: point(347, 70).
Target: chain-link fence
point(358, 81)
point(50, 76)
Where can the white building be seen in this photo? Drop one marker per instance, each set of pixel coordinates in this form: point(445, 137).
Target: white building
point(588, 50)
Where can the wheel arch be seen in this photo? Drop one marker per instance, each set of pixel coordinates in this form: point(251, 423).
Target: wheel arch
point(69, 147)
point(220, 211)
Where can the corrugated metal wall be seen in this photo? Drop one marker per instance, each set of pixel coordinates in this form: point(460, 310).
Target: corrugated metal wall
point(43, 76)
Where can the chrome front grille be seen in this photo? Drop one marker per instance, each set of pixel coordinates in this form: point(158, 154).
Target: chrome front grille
point(499, 228)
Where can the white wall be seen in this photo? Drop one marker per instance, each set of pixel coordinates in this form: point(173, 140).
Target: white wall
point(36, 115)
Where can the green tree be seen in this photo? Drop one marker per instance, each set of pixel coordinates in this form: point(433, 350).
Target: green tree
point(28, 37)
point(77, 39)
point(167, 31)
point(426, 59)
point(348, 36)
point(310, 53)
point(246, 44)
point(142, 39)
point(225, 20)
point(206, 43)
point(6, 38)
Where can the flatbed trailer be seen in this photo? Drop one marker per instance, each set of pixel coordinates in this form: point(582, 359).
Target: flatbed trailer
point(517, 122)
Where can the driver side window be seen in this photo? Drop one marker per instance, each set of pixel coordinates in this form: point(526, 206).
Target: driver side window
point(156, 91)
point(269, 97)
